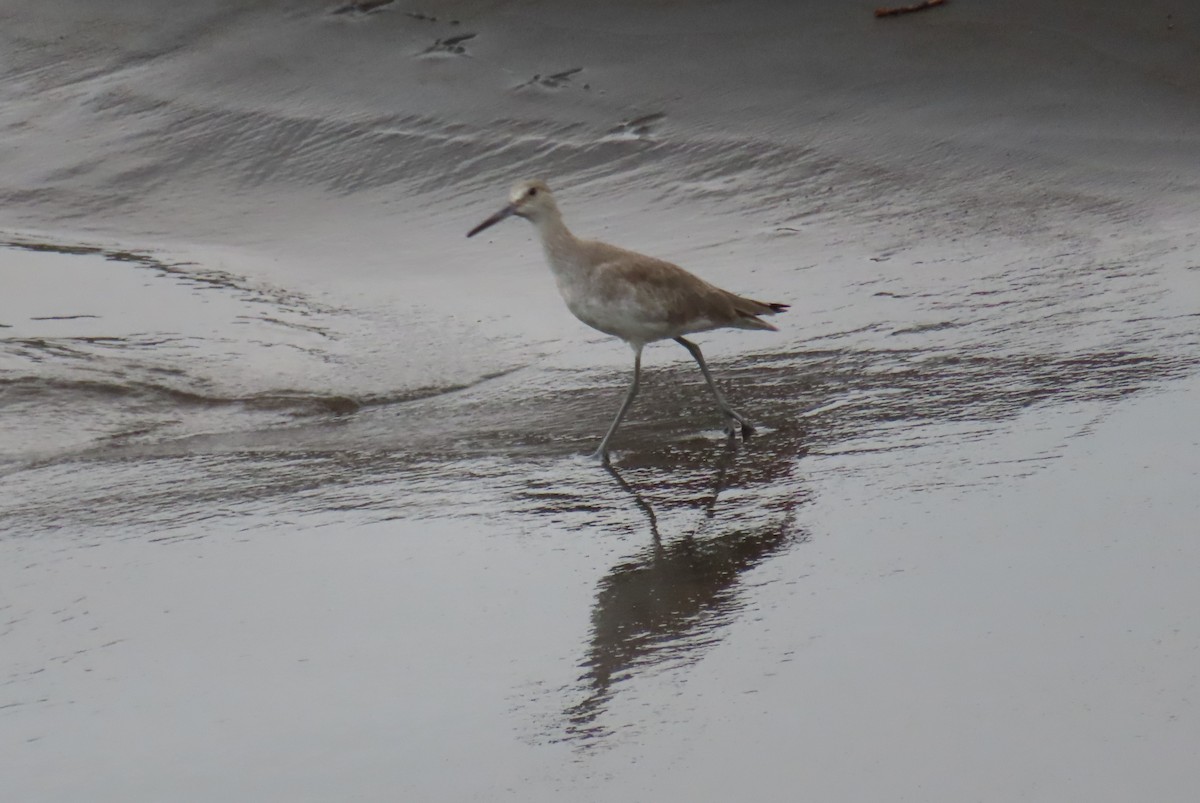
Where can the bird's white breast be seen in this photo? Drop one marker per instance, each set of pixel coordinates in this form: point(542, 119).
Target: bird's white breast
point(622, 314)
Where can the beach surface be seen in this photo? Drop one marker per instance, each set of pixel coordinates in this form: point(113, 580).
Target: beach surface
point(294, 495)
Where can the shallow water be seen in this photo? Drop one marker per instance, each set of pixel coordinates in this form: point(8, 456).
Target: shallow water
point(292, 486)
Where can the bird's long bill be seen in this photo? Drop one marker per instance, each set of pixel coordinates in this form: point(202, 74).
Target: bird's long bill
point(493, 220)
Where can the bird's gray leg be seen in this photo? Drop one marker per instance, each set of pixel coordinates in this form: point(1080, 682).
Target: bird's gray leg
point(602, 451)
point(730, 414)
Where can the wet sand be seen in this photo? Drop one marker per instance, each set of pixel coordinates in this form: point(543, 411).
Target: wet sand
point(292, 496)
point(696, 630)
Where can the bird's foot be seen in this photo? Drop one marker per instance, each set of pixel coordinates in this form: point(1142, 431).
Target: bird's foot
point(732, 425)
point(600, 456)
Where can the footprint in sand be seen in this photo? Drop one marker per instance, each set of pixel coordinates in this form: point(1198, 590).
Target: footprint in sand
point(417, 15)
point(639, 127)
point(556, 80)
point(452, 46)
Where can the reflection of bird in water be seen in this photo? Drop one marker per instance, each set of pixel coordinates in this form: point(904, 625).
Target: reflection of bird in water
point(669, 601)
point(641, 502)
point(629, 295)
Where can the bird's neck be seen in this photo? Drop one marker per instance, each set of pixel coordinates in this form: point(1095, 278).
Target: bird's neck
point(560, 245)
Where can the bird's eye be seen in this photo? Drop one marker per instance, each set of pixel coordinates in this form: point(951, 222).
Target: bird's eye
point(532, 191)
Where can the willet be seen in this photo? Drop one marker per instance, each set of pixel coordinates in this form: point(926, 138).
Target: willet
point(629, 295)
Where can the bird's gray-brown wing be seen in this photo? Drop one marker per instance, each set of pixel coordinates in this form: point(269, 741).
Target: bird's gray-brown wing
point(673, 295)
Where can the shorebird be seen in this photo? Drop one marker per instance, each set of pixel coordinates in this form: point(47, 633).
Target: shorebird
point(632, 296)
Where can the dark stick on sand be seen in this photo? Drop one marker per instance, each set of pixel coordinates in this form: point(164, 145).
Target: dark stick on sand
point(362, 6)
point(896, 11)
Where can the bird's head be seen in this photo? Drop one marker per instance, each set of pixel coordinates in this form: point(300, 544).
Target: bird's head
point(528, 199)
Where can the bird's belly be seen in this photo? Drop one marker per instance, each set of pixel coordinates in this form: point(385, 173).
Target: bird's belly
point(621, 317)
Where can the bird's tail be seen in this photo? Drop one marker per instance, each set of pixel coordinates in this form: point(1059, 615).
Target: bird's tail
point(748, 311)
